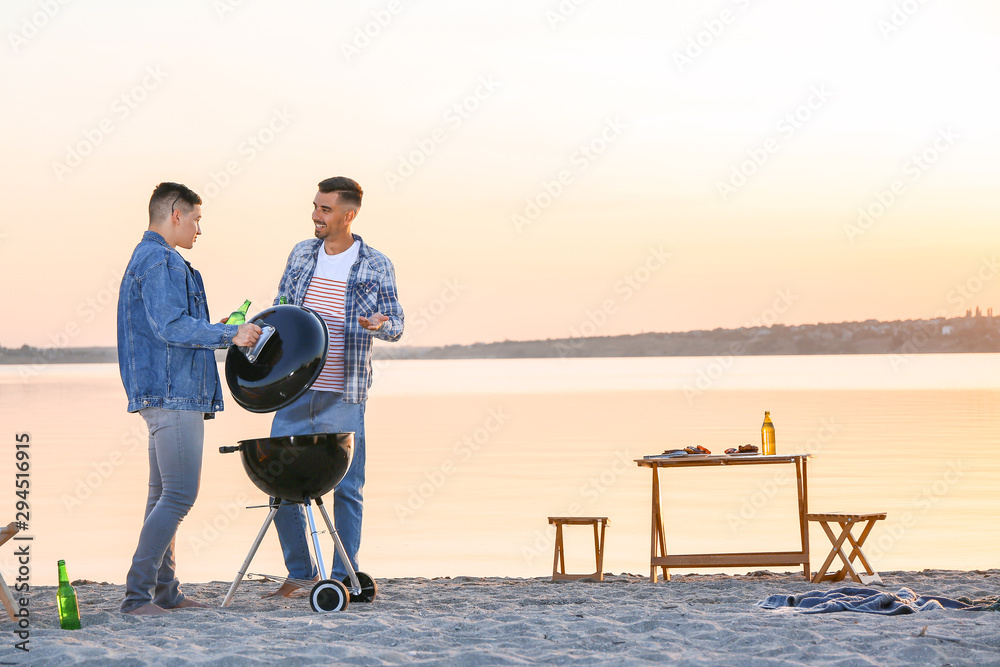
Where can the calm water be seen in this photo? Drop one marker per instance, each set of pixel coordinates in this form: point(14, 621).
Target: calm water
point(467, 459)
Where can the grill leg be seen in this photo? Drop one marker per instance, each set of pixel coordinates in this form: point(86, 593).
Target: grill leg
point(315, 537)
point(253, 551)
point(356, 585)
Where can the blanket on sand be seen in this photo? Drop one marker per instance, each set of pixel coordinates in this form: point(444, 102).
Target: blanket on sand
point(870, 601)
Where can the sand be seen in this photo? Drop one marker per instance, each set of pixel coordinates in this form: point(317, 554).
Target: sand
point(691, 620)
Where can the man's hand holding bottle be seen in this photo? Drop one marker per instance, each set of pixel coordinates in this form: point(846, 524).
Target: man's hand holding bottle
point(248, 333)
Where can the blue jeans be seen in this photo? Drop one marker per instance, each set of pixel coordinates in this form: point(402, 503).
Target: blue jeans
point(175, 448)
point(323, 412)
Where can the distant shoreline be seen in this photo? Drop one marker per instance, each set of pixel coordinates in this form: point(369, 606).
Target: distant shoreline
point(969, 334)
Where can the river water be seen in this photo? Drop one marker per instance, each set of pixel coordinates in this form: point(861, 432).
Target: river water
point(467, 458)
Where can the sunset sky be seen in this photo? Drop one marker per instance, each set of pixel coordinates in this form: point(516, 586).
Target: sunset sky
point(534, 169)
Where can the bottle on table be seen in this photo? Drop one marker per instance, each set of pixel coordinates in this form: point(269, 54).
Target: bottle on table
point(767, 435)
point(69, 610)
point(239, 316)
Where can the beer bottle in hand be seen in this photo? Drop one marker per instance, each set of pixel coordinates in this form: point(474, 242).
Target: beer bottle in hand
point(239, 316)
point(69, 610)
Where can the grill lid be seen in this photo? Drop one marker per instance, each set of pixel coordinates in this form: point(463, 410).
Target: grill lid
point(287, 364)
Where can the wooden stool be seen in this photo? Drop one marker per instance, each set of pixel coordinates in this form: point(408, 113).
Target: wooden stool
point(559, 561)
point(847, 522)
point(7, 532)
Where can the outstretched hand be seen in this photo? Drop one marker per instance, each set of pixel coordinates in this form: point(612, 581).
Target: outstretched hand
point(373, 323)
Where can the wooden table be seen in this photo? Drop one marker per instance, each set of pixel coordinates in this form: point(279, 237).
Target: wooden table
point(658, 548)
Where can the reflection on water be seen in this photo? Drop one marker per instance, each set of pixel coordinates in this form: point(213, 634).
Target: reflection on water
point(467, 459)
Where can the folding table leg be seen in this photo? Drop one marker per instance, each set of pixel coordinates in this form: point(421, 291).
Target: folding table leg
point(657, 538)
point(599, 550)
point(803, 498)
point(559, 558)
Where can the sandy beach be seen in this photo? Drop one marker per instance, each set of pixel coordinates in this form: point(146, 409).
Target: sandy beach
point(691, 620)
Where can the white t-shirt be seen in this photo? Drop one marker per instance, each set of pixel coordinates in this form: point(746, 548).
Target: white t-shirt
point(326, 296)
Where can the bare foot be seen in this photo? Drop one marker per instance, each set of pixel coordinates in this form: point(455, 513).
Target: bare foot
point(288, 590)
point(188, 603)
point(148, 609)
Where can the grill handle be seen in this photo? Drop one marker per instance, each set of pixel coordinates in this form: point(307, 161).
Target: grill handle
point(230, 450)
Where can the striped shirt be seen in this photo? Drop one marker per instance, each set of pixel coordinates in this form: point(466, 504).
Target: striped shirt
point(371, 287)
point(326, 296)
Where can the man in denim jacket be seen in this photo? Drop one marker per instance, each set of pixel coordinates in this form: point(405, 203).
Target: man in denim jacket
point(353, 287)
point(166, 357)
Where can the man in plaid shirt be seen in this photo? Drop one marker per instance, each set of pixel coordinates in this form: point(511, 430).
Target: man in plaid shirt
point(353, 288)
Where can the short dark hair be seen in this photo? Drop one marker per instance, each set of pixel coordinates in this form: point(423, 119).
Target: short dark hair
point(166, 195)
point(350, 191)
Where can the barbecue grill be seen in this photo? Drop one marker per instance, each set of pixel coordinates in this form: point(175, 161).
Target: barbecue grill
point(298, 468)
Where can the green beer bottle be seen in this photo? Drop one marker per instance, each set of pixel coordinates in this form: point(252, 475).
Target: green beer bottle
point(239, 316)
point(69, 610)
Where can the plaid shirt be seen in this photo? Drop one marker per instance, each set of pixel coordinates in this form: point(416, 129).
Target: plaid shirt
point(371, 288)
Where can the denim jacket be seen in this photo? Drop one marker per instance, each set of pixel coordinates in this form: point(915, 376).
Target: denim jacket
point(371, 288)
point(165, 337)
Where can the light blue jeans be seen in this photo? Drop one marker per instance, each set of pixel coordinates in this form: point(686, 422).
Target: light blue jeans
point(323, 412)
point(176, 438)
